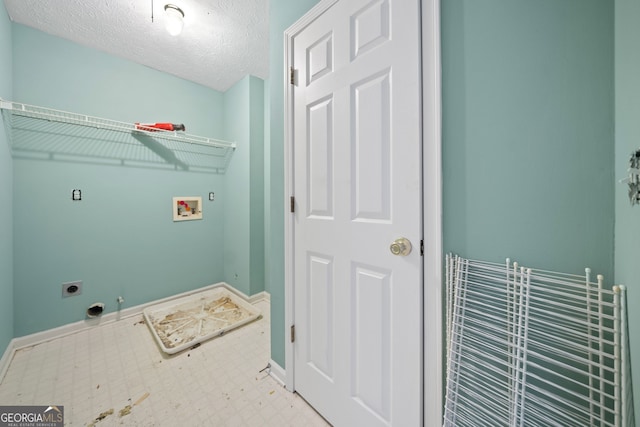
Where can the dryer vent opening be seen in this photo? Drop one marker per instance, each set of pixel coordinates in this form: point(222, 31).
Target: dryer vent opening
point(95, 309)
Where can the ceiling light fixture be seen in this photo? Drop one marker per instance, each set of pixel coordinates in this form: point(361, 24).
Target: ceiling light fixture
point(175, 19)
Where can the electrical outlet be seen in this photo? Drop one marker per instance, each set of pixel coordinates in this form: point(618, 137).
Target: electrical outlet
point(71, 289)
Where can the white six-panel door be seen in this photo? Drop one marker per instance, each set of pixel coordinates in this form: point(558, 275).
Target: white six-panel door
point(356, 153)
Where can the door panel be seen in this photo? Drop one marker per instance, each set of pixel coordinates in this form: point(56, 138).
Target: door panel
point(371, 338)
point(320, 158)
point(371, 149)
point(357, 184)
point(320, 319)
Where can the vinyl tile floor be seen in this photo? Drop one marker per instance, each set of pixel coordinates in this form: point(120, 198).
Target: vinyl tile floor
point(115, 374)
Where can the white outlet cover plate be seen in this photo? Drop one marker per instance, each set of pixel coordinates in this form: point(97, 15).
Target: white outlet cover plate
point(66, 292)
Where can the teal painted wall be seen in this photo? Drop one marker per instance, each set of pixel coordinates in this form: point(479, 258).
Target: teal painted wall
point(267, 184)
point(282, 14)
point(120, 239)
point(6, 190)
point(55, 73)
point(237, 235)
point(244, 206)
point(627, 231)
point(527, 91)
point(528, 136)
point(256, 190)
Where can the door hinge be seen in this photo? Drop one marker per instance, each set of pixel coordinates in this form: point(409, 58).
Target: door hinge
point(292, 204)
point(292, 75)
point(293, 333)
point(421, 247)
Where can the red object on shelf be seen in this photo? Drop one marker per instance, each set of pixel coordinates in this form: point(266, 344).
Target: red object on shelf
point(153, 127)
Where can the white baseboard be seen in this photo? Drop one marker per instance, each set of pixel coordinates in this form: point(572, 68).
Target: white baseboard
point(72, 328)
point(277, 372)
point(6, 358)
point(260, 296)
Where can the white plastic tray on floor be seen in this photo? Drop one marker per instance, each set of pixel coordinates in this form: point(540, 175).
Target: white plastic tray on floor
point(184, 322)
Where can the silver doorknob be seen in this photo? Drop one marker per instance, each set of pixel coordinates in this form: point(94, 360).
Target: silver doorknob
point(400, 247)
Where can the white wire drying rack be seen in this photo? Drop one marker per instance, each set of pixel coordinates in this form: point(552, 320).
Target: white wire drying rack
point(63, 134)
point(534, 348)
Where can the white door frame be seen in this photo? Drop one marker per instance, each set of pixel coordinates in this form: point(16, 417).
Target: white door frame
point(432, 203)
point(433, 385)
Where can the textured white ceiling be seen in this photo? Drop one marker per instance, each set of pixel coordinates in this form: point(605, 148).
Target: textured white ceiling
point(222, 40)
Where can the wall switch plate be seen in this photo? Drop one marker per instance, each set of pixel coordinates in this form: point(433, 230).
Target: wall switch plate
point(71, 289)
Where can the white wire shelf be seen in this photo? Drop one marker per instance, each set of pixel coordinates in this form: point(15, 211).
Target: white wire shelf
point(58, 134)
point(534, 348)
